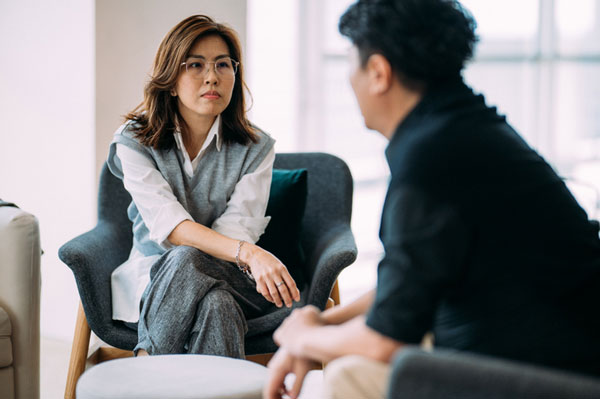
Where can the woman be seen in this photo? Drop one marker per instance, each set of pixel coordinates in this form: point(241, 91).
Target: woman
point(199, 176)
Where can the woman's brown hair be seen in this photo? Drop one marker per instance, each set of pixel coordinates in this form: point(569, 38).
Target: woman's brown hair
point(157, 114)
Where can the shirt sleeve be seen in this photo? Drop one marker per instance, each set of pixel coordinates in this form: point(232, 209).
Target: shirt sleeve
point(158, 206)
point(425, 246)
point(244, 217)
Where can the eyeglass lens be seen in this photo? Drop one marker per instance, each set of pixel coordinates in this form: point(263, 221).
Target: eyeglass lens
point(198, 67)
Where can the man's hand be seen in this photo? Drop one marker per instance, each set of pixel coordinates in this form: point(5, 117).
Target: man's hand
point(289, 358)
point(294, 329)
point(282, 364)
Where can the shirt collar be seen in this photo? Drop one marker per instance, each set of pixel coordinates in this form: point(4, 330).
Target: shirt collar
point(215, 131)
point(446, 100)
point(423, 117)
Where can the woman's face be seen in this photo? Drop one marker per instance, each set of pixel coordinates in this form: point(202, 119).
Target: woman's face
point(201, 92)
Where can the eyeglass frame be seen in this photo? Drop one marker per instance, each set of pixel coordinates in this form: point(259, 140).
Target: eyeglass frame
point(235, 64)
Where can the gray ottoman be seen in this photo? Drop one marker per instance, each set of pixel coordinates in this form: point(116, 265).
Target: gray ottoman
point(173, 377)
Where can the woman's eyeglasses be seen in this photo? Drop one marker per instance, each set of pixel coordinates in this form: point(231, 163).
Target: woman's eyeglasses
point(224, 67)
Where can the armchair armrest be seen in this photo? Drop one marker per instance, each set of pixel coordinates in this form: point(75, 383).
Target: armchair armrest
point(92, 257)
point(101, 249)
point(333, 252)
point(445, 374)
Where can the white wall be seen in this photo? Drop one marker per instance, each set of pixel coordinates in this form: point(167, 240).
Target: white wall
point(47, 133)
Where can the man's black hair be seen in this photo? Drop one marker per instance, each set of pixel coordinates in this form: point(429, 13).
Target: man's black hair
point(425, 41)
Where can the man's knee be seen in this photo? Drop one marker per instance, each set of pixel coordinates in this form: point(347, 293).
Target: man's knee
point(354, 377)
point(340, 369)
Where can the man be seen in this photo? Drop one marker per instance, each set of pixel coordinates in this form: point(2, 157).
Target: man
point(484, 244)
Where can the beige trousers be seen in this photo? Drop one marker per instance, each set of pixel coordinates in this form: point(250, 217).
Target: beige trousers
point(355, 377)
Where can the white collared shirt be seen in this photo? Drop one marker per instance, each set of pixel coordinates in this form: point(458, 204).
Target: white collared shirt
point(243, 219)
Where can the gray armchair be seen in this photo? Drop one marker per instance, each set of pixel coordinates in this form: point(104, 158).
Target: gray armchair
point(326, 240)
point(457, 375)
point(19, 304)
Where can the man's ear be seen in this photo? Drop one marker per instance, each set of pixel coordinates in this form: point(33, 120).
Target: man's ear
point(379, 73)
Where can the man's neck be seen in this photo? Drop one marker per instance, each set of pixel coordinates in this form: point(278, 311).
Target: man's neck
point(401, 104)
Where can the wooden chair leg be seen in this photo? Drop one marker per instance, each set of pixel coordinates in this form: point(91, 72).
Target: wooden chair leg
point(335, 293)
point(329, 304)
point(79, 351)
point(333, 300)
point(262, 358)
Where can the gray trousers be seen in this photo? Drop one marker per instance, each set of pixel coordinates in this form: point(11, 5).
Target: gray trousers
point(198, 304)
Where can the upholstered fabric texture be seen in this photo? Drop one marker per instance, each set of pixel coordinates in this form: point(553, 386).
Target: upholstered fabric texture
point(6, 357)
point(447, 374)
point(20, 256)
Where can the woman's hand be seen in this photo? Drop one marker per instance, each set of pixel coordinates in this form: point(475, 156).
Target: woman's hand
point(273, 281)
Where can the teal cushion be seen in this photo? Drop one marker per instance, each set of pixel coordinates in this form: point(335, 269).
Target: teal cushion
point(286, 205)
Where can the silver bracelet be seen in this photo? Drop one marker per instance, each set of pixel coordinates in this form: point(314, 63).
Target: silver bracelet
point(243, 267)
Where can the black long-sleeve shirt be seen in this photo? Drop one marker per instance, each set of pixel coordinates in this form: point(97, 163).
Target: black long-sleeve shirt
point(484, 244)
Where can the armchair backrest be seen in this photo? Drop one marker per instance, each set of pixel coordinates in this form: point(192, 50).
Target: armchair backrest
point(113, 199)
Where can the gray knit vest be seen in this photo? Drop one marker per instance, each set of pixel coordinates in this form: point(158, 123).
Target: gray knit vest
point(204, 195)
